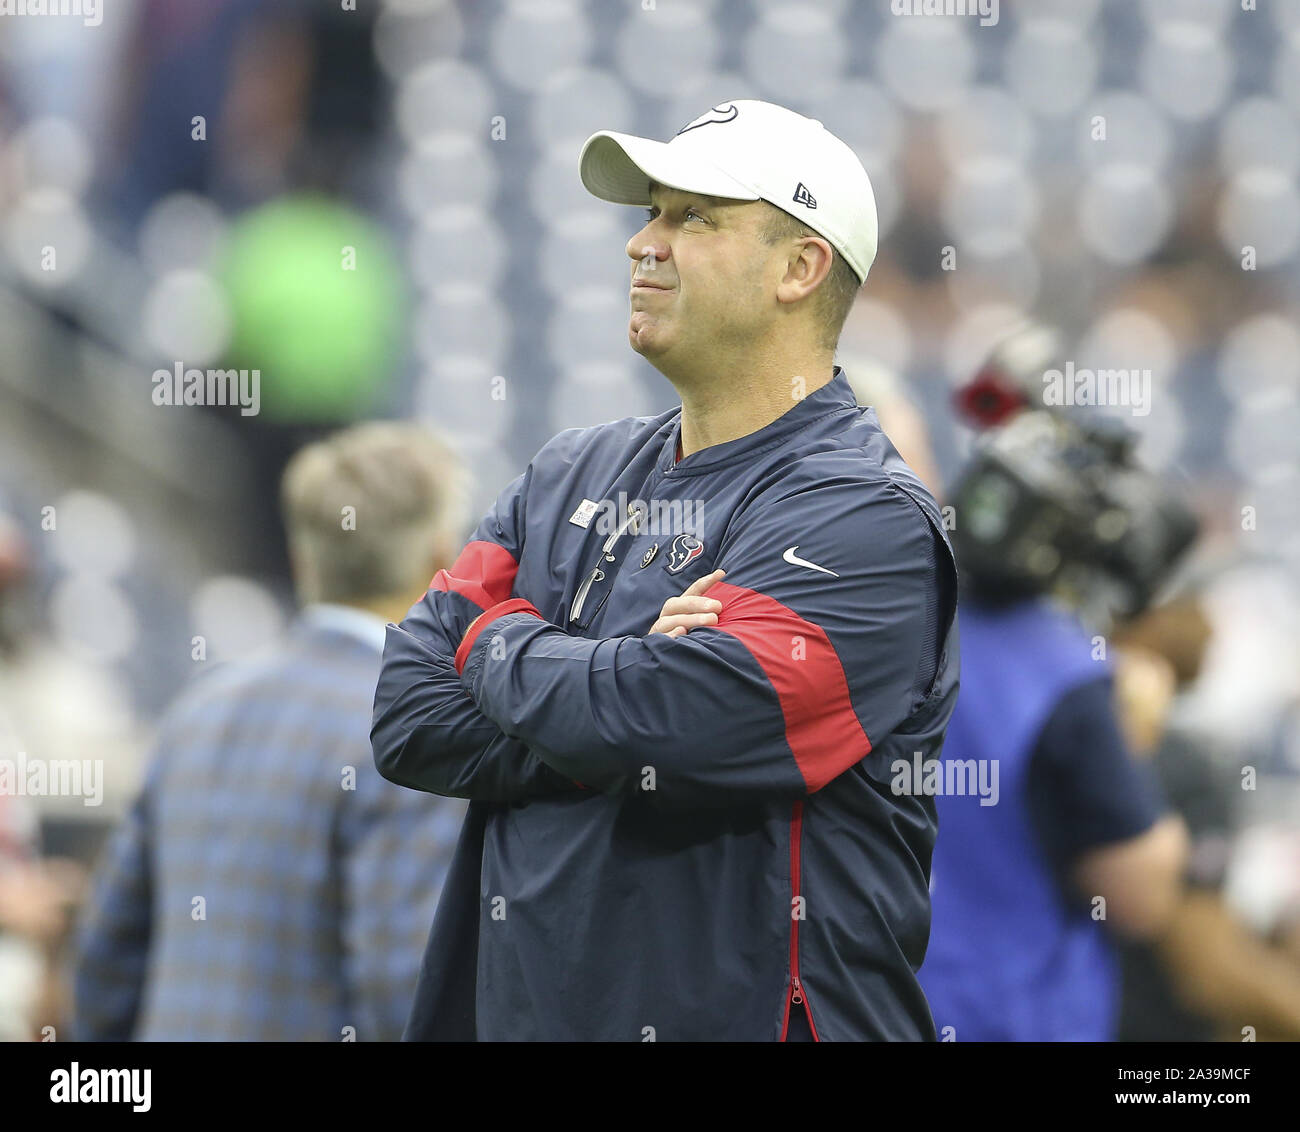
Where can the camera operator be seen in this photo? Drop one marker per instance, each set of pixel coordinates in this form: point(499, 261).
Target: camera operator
point(1059, 536)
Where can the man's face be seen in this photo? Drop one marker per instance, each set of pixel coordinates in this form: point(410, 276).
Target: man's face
point(702, 281)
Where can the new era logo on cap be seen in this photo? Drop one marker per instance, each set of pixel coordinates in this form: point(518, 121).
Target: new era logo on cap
point(803, 196)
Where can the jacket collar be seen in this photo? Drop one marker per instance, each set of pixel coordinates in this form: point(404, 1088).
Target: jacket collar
point(835, 395)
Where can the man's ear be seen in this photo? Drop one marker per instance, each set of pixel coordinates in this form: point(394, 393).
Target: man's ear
point(817, 253)
point(806, 269)
point(304, 582)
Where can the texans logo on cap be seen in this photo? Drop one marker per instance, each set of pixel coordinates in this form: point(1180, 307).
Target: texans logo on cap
point(684, 550)
point(725, 113)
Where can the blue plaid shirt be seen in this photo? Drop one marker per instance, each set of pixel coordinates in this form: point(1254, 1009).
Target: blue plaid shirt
point(267, 884)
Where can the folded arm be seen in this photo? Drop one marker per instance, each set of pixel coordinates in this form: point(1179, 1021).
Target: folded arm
point(782, 695)
point(427, 733)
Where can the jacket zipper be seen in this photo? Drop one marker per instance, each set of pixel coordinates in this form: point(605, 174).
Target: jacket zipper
point(797, 995)
point(632, 522)
point(575, 611)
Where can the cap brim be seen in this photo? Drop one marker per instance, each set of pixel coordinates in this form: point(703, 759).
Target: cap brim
point(620, 167)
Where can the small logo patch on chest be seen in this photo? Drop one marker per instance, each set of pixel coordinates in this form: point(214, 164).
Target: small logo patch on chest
point(649, 556)
point(583, 515)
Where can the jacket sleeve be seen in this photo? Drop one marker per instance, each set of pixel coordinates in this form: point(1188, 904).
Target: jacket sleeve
point(804, 671)
point(427, 733)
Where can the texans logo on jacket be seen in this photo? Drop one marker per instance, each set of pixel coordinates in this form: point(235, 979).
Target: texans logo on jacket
point(684, 550)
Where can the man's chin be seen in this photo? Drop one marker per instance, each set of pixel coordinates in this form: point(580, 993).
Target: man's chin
point(646, 340)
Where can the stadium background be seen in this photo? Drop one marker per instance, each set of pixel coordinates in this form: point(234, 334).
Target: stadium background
point(440, 141)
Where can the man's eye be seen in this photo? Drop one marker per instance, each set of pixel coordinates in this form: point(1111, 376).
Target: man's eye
point(651, 213)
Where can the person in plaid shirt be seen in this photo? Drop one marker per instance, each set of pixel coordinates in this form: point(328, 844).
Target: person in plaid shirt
point(267, 883)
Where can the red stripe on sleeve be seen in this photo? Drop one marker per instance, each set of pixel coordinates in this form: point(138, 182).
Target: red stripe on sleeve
point(822, 728)
point(483, 620)
point(484, 572)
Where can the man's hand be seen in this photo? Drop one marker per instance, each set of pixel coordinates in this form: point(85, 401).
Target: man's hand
point(37, 898)
point(1145, 684)
point(691, 609)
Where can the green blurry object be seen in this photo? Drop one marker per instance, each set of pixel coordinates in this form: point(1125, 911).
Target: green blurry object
point(322, 323)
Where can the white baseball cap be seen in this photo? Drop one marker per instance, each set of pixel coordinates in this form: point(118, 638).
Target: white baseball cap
point(747, 150)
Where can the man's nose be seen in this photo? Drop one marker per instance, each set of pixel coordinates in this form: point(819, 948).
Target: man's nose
point(643, 247)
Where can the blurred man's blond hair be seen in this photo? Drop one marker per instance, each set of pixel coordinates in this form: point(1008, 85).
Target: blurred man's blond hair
point(372, 512)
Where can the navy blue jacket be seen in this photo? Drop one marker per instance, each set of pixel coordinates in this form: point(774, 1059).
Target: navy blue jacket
point(678, 839)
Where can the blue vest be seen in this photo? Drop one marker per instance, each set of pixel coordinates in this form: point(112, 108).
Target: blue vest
point(1007, 960)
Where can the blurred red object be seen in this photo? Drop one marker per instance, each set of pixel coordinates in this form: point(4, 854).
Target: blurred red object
point(988, 399)
point(14, 558)
point(1010, 378)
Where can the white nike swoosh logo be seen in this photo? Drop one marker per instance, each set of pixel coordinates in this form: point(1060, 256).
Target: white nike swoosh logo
point(795, 560)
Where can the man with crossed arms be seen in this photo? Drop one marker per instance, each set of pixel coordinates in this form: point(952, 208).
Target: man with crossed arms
point(683, 828)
